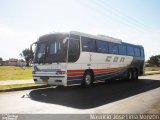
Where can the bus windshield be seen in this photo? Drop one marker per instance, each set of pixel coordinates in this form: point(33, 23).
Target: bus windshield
point(51, 49)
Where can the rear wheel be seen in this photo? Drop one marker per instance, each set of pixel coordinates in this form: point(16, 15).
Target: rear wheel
point(135, 75)
point(130, 75)
point(87, 79)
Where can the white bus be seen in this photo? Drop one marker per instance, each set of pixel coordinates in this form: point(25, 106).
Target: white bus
point(79, 58)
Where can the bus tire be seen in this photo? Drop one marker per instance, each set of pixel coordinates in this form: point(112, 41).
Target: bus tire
point(135, 75)
point(87, 79)
point(130, 75)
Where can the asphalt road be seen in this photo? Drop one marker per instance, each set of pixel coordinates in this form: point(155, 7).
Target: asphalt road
point(142, 96)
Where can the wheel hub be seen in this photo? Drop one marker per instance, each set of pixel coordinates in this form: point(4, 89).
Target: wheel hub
point(88, 79)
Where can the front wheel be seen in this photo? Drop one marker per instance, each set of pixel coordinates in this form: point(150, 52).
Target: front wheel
point(87, 79)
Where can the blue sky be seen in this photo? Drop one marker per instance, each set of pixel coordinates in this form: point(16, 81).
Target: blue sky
point(133, 21)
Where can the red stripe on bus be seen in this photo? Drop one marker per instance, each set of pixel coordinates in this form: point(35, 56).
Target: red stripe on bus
point(72, 73)
point(98, 71)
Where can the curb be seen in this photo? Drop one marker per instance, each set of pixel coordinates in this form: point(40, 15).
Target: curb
point(24, 88)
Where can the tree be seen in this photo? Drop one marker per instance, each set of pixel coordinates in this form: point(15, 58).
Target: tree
point(28, 55)
point(1, 61)
point(154, 60)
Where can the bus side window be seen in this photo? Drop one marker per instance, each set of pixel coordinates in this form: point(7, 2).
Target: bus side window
point(113, 48)
point(102, 46)
point(122, 49)
point(142, 52)
point(74, 50)
point(137, 52)
point(88, 44)
point(130, 51)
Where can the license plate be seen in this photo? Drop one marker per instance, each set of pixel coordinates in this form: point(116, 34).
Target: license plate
point(45, 81)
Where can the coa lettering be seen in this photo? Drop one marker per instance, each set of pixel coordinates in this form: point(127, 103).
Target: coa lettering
point(115, 59)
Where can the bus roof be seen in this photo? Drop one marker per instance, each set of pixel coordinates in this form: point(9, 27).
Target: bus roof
point(99, 37)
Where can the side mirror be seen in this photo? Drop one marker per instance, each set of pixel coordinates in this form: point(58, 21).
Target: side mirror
point(32, 45)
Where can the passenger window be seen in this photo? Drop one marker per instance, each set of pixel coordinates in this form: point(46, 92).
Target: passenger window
point(130, 51)
point(122, 50)
point(142, 52)
point(88, 44)
point(113, 48)
point(137, 52)
point(102, 46)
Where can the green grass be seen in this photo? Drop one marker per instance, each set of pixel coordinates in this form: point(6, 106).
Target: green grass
point(152, 68)
point(15, 73)
point(151, 72)
point(6, 87)
point(19, 73)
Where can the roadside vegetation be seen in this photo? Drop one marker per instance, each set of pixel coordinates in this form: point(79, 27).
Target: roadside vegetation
point(19, 73)
point(7, 87)
point(152, 70)
point(154, 61)
point(15, 73)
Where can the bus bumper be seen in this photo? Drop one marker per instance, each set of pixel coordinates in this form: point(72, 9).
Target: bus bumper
point(51, 80)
